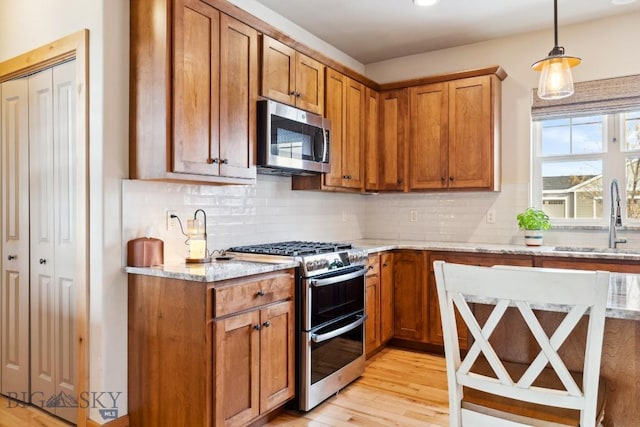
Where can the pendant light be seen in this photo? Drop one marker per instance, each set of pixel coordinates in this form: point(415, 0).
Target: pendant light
point(555, 79)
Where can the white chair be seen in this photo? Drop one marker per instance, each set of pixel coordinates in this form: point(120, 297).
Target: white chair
point(488, 391)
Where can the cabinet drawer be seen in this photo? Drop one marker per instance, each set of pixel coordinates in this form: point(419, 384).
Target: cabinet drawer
point(373, 265)
point(237, 297)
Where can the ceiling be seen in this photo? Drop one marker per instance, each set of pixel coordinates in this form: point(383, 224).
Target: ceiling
point(375, 30)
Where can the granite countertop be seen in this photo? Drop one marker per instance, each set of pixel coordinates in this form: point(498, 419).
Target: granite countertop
point(624, 289)
point(212, 272)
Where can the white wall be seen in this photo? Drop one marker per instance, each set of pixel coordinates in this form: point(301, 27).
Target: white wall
point(607, 49)
point(28, 24)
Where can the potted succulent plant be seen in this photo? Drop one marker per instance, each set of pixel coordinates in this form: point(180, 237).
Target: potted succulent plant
point(533, 222)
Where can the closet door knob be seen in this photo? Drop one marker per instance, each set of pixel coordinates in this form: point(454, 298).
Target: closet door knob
point(12, 257)
point(43, 261)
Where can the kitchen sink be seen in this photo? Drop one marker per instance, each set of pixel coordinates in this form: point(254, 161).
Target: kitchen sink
point(596, 250)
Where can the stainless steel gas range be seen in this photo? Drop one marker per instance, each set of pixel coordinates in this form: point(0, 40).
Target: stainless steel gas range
point(330, 316)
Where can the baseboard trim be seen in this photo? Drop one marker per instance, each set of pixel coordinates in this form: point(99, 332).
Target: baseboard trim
point(118, 422)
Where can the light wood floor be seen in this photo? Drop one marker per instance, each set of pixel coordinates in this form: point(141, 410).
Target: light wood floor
point(12, 416)
point(398, 388)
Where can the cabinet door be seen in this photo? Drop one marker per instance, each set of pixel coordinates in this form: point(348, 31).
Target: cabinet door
point(277, 355)
point(336, 90)
point(237, 369)
point(14, 283)
point(410, 295)
point(238, 96)
point(393, 135)
point(428, 146)
point(278, 71)
point(372, 309)
point(386, 297)
point(372, 102)
point(353, 143)
point(196, 53)
point(309, 84)
point(470, 133)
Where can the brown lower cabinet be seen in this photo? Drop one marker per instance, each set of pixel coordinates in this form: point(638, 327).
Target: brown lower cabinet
point(379, 302)
point(410, 295)
point(210, 354)
point(487, 260)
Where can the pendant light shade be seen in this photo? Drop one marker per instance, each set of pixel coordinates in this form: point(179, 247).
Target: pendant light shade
point(556, 80)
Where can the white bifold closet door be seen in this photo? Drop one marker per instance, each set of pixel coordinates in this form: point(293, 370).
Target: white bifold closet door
point(14, 283)
point(53, 239)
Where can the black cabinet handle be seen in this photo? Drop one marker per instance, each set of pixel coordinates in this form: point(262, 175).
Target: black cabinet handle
point(215, 161)
point(225, 161)
point(12, 257)
point(298, 95)
point(257, 327)
point(450, 178)
point(43, 261)
point(293, 92)
point(442, 178)
point(384, 264)
point(371, 267)
point(260, 293)
point(266, 324)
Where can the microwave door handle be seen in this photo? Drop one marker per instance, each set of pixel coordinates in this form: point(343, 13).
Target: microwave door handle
point(325, 146)
point(343, 330)
point(316, 283)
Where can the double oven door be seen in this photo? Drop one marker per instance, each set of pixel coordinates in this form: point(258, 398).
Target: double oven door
point(332, 334)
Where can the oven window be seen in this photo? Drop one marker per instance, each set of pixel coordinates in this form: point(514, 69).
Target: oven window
point(329, 356)
point(294, 140)
point(333, 301)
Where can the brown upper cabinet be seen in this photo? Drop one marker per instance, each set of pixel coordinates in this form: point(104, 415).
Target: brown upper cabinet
point(291, 77)
point(371, 137)
point(345, 108)
point(193, 94)
point(392, 124)
point(455, 135)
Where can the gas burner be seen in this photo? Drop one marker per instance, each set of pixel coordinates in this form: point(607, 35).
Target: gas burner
point(293, 248)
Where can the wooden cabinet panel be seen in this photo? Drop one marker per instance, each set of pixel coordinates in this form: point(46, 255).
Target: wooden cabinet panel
point(309, 84)
point(372, 304)
point(470, 133)
point(335, 111)
point(410, 295)
point(618, 266)
point(487, 260)
point(237, 369)
point(454, 142)
point(291, 77)
point(238, 96)
point(428, 143)
point(345, 108)
point(219, 370)
point(196, 50)
point(371, 132)
point(277, 353)
point(237, 297)
point(393, 136)
point(278, 71)
point(386, 297)
point(194, 86)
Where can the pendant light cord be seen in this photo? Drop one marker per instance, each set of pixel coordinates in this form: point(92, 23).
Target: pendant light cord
point(555, 22)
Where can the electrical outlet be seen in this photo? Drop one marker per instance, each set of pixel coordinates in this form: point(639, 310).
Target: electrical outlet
point(172, 223)
point(413, 215)
point(491, 216)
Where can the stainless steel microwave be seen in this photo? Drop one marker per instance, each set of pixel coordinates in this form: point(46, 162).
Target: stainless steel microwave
point(291, 141)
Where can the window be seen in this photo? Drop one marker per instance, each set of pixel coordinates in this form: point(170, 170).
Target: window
point(580, 144)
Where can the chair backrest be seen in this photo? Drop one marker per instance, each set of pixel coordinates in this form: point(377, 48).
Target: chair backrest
point(578, 292)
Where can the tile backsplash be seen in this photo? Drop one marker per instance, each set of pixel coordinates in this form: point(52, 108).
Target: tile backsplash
point(238, 215)
point(270, 211)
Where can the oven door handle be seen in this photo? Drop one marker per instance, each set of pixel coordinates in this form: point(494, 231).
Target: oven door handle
point(336, 279)
point(343, 330)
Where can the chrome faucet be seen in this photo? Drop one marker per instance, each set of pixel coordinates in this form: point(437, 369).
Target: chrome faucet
point(616, 218)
